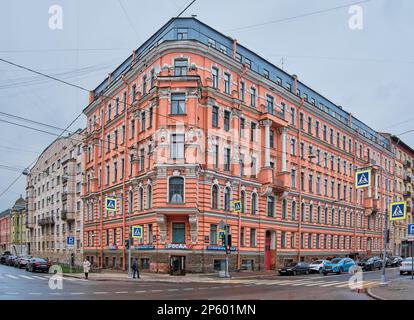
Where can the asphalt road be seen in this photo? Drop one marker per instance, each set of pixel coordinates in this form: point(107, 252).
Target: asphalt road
point(18, 284)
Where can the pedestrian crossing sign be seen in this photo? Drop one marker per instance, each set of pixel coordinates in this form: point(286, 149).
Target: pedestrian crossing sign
point(363, 179)
point(110, 204)
point(398, 211)
point(237, 206)
point(137, 232)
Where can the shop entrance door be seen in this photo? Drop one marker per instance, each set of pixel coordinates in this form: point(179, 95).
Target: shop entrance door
point(177, 265)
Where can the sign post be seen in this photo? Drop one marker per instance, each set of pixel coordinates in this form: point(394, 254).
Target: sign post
point(411, 239)
point(70, 243)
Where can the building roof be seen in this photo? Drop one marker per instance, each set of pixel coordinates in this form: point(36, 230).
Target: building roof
point(5, 213)
point(198, 31)
point(20, 204)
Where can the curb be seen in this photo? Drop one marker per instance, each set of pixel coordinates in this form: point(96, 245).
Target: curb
point(374, 296)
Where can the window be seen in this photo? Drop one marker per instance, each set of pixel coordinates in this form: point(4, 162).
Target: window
point(293, 178)
point(309, 125)
point(253, 97)
point(302, 212)
point(266, 73)
point(176, 190)
point(116, 106)
point(283, 240)
point(284, 209)
point(272, 138)
point(177, 146)
point(270, 206)
point(293, 147)
point(301, 121)
point(134, 92)
point(151, 112)
point(141, 159)
point(242, 91)
point(242, 127)
point(317, 128)
point(331, 136)
point(178, 233)
point(226, 120)
point(293, 210)
point(215, 117)
point(253, 237)
point(178, 103)
point(292, 116)
point(227, 83)
point(270, 104)
point(213, 234)
point(180, 67)
point(149, 197)
point(325, 132)
point(115, 171)
point(142, 121)
point(215, 156)
point(227, 159)
point(141, 199)
point(253, 132)
point(144, 85)
point(227, 192)
point(182, 34)
point(243, 201)
point(254, 204)
point(214, 197)
point(215, 73)
point(242, 236)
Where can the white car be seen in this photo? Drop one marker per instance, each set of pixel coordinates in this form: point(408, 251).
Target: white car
point(317, 266)
point(406, 266)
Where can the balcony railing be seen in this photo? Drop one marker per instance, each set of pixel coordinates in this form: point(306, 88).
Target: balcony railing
point(66, 215)
point(46, 221)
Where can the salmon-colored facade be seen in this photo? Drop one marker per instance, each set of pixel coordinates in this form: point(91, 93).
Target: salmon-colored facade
point(187, 125)
point(5, 230)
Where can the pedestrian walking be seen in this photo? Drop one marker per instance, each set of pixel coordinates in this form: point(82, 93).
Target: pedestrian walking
point(135, 268)
point(86, 267)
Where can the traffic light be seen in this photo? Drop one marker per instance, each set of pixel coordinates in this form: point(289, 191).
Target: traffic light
point(127, 244)
point(228, 249)
point(229, 240)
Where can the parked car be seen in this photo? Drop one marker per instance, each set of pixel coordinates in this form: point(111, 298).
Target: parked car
point(396, 261)
point(371, 263)
point(294, 268)
point(38, 264)
point(406, 266)
point(4, 256)
point(10, 260)
point(21, 261)
point(317, 266)
point(338, 266)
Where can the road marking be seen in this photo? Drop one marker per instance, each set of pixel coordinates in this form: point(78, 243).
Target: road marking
point(156, 290)
point(219, 287)
point(77, 293)
point(11, 276)
point(100, 292)
point(172, 290)
point(332, 283)
point(189, 289)
point(40, 278)
point(11, 293)
point(26, 277)
point(55, 293)
point(314, 284)
point(343, 285)
point(141, 291)
point(34, 293)
point(121, 292)
point(205, 288)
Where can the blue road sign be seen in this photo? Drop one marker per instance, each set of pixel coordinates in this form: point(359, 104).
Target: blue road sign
point(237, 206)
point(363, 179)
point(137, 232)
point(70, 241)
point(110, 204)
point(411, 229)
point(398, 211)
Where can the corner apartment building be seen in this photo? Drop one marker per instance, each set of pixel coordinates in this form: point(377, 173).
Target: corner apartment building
point(404, 159)
point(5, 230)
point(192, 121)
point(55, 209)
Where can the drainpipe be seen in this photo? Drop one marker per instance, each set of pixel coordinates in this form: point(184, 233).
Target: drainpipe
point(299, 185)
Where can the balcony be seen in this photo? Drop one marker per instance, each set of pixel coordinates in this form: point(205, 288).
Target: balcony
point(407, 163)
point(46, 221)
point(68, 216)
point(371, 205)
point(279, 182)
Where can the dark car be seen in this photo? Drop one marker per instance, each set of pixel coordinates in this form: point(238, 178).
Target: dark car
point(21, 261)
point(10, 260)
point(4, 257)
point(395, 261)
point(38, 264)
point(371, 264)
point(294, 268)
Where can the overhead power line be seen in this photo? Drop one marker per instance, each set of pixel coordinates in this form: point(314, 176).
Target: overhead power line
point(297, 16)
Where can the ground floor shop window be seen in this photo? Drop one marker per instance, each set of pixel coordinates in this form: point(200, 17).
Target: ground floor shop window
point(145, 263)
point(247, 265)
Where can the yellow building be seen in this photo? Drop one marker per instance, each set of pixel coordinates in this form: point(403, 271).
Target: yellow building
point(18, 227)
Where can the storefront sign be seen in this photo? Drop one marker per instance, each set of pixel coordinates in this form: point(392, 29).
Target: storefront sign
point(179, 246)
point(145, 247)
point(219, 248)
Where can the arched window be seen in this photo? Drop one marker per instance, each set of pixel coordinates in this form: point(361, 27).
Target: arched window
point(333, 216)
point(227, 200)
point(339, 217)
point(176, 190)
point(141, 199)
point(326, 215)
point(149, 197)
point(284, 209)
point(345, 219)
point(293, 210)
point(302, 211)
point(270, 206)
point(214, 197)
point(243, 200)
point(311, 213)
point(319, 215)
point(130, 201)
point(254, 203)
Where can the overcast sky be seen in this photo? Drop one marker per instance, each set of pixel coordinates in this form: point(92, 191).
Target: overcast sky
point(368, 72)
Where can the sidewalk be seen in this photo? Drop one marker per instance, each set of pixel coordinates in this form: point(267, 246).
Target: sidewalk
point(147, 277)
point(395, 290)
